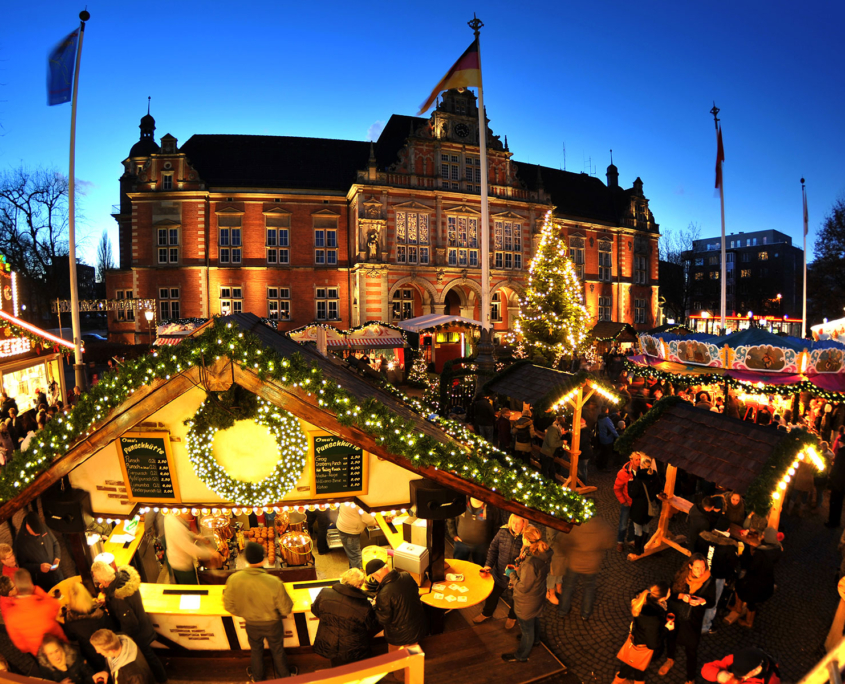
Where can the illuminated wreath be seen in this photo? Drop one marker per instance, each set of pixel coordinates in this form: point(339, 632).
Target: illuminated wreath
point(219, 412)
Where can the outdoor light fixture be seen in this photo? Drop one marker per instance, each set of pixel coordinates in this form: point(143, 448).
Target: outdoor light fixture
point(148, 315)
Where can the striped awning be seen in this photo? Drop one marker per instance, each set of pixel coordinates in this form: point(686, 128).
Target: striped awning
point(375, 336)
point(168, 341)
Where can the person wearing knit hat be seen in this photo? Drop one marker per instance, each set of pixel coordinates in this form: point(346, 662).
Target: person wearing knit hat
point(723, 557)
point(38, 551)
point(261, 600)
point(758, 584)
point(748, 666)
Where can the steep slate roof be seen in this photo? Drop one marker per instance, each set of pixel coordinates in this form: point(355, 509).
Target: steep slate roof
point(720, 449)
point(611, 330)
point(529, 383)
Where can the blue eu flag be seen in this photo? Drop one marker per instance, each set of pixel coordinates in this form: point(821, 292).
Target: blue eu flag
point(60, 70)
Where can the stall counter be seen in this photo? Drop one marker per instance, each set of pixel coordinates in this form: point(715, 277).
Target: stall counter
point(122, 552)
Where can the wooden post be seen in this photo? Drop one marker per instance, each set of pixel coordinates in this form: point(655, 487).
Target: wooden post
point(577, 406)
point(660, 539)
point(774, 512)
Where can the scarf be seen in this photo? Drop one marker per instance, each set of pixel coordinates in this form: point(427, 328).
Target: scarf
point(128, 653)
point(696, 584)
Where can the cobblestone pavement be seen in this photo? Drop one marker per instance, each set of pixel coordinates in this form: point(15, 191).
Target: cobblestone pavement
point(791, 626)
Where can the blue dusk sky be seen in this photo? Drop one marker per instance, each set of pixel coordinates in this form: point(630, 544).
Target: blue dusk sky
point(639, 78)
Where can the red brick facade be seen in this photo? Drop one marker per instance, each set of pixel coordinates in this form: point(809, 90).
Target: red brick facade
point(346, 232)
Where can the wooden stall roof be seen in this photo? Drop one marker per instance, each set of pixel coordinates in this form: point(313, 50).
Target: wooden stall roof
point(720, 449)
point(146, 401)
point(530, 383)
point(611, 330)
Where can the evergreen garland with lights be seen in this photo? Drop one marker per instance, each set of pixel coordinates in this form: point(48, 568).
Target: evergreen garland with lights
point(552, 318)
point(219, 412)
point(472, 458)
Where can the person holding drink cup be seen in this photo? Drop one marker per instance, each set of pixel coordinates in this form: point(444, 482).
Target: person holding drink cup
point(648, 632)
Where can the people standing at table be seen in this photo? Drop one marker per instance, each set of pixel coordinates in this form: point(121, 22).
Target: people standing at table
point(504, 550)
point(620, 489)
point(185, 547)
point(122, 591)
point(503, 430)
point(398, 607)
point(722, 554)
point(552, 442)
point(125, 660)
point(758, 583)
point(528, 579)
point(262, 601)
point(473, 530)
point(37, 550)
point(61, 662)
point(693, 592)
point(643, 490)
point(649, 629)
point(700, 519)
point(523, 431)
point(351, 522)
point(30, 614)
point(21, 662)
point(83, 617)
point(347, 620)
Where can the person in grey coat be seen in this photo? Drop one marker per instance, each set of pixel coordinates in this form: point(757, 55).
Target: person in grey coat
point(528, 579)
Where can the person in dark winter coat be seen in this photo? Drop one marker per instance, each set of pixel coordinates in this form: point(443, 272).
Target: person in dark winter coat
point(83, 617)
point(504, 550)
point(124, 603)
point(20, 662)
point(693, 592)
point(700, 520)
point(758, 583)
point(38, 551)
point(607, 436)
point(722, 554)
point(60, 662)
point(473, 530)
point(528, 579)
point(748, 666)
point(347, 620)
point(126, 661)
point(649, 628)
point(643, 489)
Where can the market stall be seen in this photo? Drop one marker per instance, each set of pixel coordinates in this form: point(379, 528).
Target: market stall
point(710, 325)
point(170, 333)
point(607, 335)
point(442, 337)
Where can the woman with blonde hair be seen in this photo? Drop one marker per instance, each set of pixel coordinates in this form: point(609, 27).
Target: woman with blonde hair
point(528, 578)
point(504, 550)
point(647, 633)
point(83, 617)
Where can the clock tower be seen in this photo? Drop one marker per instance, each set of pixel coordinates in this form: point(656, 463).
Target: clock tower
point(456, 120)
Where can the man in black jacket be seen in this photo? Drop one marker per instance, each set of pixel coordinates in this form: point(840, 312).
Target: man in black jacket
point(398, 607)
point(722, 554)
point(38, 551)
point(122, 590)
point(347, 620)
point(699, 521)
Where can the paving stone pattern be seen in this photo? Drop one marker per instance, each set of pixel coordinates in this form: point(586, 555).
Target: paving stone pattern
point(791, 626)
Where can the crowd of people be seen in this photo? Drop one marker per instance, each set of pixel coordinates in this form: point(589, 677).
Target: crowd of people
point(18, 429)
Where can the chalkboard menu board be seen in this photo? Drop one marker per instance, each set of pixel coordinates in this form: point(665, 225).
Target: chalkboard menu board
point(148, 467)
point(339, 467)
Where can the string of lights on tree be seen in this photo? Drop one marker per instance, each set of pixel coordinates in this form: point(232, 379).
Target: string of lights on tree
point(471, 459)
point(552, 317)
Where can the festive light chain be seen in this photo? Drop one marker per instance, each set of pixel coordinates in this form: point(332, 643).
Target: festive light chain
point(810, 454)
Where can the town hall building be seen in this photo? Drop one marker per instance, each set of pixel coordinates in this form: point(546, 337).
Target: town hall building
point(302, 230)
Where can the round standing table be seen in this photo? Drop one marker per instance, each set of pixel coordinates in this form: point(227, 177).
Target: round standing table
point(478, 586)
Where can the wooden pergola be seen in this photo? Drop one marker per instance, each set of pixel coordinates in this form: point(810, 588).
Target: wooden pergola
point(729, 452)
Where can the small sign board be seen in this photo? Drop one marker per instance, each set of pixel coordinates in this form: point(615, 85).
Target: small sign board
point(148, 467)
point(338, 467)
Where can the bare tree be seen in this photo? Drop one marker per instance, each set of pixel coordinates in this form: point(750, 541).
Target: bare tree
point(675, 285)
point(105, 257)
point(673, 244)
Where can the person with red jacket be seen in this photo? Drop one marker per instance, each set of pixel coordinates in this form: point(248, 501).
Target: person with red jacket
point(620, 488)
point(748, 666)
point(30, 615)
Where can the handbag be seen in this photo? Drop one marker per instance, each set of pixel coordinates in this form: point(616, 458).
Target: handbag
point(653, 506)
point(635, 656)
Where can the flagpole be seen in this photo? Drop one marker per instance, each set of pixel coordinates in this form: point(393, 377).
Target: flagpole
point(804, 294)
point(724, 295)
point(78, 366)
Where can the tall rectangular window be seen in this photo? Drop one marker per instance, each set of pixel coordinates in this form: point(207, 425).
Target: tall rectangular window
point(328, 304)
point(605, 260)
point(168, 303)
point(639, 311)
point(496, 306)
point(277, 240)
point(605, 304)
point(403, 304)
point(229, 239)
point(231, 300)
point(125, 312)
point(167, 245)
point(640, 269)
point(462, 236)
point(325, 240)
point(278, 303)
point(167, 181)
point(507, 244)
point(576, 253)
point(412, 238)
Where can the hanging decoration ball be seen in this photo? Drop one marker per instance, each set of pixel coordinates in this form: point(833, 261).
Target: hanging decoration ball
point(285, 428)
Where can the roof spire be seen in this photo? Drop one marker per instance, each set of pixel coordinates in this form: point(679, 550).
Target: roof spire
point(372, 152)
point(506, 144)
point(148, 104)
point(611, 157)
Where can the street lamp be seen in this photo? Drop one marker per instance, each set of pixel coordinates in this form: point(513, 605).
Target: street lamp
point(149, 315)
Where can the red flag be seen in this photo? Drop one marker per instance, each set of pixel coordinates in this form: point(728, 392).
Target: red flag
point(464, 73)
point(806, 218)
point(720, 158)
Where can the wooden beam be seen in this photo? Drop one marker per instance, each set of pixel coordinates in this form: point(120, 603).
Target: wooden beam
point(306, 407)
point(125, 417)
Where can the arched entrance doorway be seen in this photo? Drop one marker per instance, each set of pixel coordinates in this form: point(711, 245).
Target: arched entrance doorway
point(453, 303)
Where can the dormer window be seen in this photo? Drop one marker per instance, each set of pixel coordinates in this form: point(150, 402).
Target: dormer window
point(167, 181)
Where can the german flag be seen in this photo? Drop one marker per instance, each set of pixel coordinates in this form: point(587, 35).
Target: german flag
point(465, 73)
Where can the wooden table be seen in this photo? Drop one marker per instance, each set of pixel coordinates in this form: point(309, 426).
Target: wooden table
point(479, 586)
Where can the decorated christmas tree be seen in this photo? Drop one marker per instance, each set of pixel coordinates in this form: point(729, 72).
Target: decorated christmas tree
point(417, 375)
point(553, 319)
